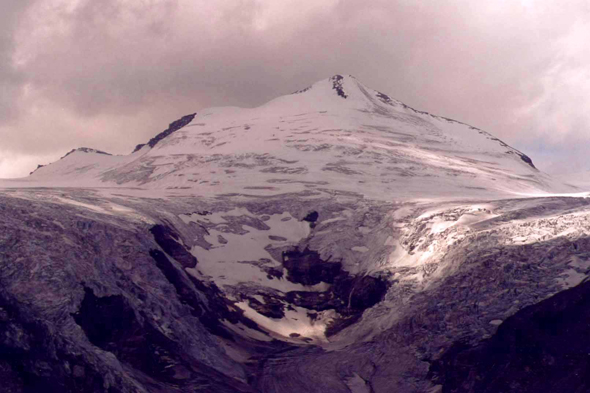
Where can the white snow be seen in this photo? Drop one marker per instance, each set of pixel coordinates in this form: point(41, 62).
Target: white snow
point(311, 141)
point(295, 321)
point(235, 262)
point(570, 278)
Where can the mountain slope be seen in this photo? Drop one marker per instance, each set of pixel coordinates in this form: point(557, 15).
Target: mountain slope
point(331, 240)
point(337, 135)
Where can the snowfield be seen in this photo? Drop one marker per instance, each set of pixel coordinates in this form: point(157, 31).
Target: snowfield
point(315, 141)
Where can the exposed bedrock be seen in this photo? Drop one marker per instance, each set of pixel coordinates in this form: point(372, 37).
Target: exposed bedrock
point(173, 127)
point(111, 324)
point(170, 242)
point(85, 308)
point(205, 300)
point(271, 308)
point(312, 218)
point(349, 295)
point(34, 359)
point(95, 300)
point(544, 347)
point(307, 268)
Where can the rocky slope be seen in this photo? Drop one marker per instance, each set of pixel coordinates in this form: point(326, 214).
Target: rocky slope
point(333, 240)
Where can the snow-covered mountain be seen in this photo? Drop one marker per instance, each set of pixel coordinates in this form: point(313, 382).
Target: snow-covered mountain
point(331, 240)
point(337, 134)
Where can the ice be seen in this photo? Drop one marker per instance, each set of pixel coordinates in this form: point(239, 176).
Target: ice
point(239, 259)
point(295, 323)
point(313, 142)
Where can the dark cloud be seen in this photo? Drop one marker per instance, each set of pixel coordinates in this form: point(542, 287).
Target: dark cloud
point(113, 73)
point(11, 80)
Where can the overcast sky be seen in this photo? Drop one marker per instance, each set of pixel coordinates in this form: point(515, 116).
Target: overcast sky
point(110, 74)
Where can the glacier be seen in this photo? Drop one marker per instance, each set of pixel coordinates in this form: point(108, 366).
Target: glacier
point(330, 240)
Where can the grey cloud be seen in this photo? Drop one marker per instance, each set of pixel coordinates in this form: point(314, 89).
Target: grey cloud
point(11, 80)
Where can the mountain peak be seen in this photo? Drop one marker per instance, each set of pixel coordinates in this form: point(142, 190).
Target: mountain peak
point(336, 82)
point(338, 134)
point(357, 94)
point(337, 85)
point(86, 150)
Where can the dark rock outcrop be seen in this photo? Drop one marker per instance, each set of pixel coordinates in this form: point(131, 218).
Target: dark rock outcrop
point(170, 243)
point(312, 218)
point(307, 268)
point(362, 292)
point(542, 348)
point(527, 159)
point(173, 127)
point(209, 312)
point(337, 82)
point(112, 325)
point(93, 312)
point(86, 150)
point(385, 98)
point(349, 295)
point(271, 308)
point(186, 293)
point(38, 167)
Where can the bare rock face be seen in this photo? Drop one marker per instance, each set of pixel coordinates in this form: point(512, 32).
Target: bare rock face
point(92, 312)
point(349, 295)
point(307, 268)
point(86, 150)
point(169, 241)
point(337, 85)
point(173, 127)
point(542, 348)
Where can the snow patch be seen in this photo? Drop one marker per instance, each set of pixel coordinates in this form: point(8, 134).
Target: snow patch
point(242, 257)
point(296, 324)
